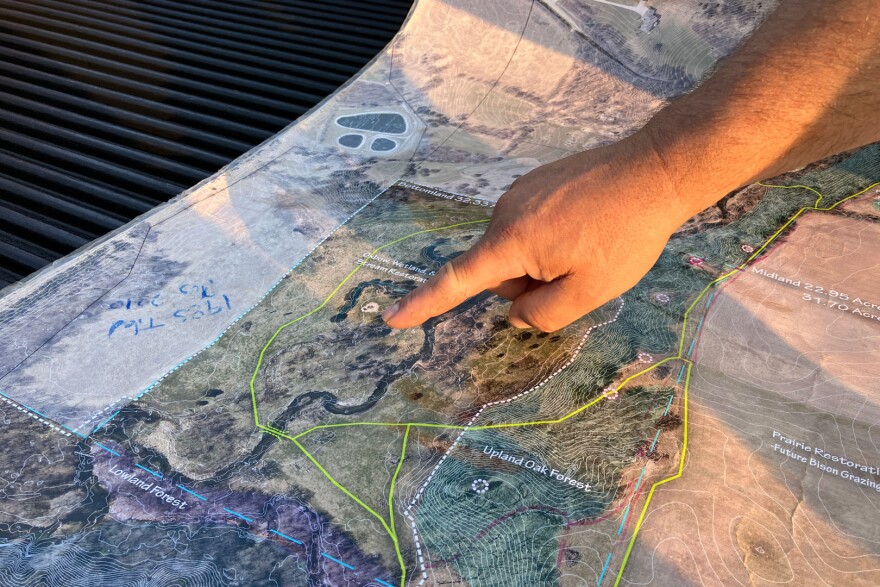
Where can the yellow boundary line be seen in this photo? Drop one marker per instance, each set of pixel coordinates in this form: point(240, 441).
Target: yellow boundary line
point(389, 525)
point(568, 416)
point(389, 528)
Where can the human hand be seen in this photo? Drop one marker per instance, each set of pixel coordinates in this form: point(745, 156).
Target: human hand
point(566, 238)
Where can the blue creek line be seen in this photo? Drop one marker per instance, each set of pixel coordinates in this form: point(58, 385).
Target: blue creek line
point(653, 444)
point(150, 471)
point(233, 512)
point(105, 422)
point(238, 515)
point(377, 580)
point(286, 537)
point(336, 560)
point(639, 481)
point(680, 373)
point(190, 491)
point(604, 569)
point(50, 421)
point(110, 450)
point(691, 350)
point(625, 516)
point(669, 404)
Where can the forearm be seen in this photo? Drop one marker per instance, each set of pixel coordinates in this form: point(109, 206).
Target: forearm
point(805, 86)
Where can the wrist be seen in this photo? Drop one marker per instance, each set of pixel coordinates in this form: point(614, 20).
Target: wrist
point(643, 186)
point(705, 156)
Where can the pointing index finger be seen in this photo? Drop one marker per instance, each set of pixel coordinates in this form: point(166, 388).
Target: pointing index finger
point(484, 266)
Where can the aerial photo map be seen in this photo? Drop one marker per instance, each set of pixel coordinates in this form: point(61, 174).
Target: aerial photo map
point(210, 397)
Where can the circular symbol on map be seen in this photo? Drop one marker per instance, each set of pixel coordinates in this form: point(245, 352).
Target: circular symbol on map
point(747, 248)
point(610, 393)
point(480, 486)
point(645, 358)
point(370, 308)
point(696, 261)
point(662, 298)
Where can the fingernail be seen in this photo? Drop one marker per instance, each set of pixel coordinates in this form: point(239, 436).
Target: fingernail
point(389, 312)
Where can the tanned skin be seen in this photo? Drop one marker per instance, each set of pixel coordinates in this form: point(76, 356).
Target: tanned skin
point(569, 236)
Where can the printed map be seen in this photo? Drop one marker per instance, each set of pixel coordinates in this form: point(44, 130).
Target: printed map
point(210, 397)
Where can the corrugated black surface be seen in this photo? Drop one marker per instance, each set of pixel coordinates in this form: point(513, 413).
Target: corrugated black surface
point(109, 107)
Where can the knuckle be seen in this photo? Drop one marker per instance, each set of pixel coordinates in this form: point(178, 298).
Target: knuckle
point(504, 241)
point(509, 231)
point(505, 200)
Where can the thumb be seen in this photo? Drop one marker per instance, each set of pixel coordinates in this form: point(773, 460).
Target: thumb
point(550, 306)
point(484, 266)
